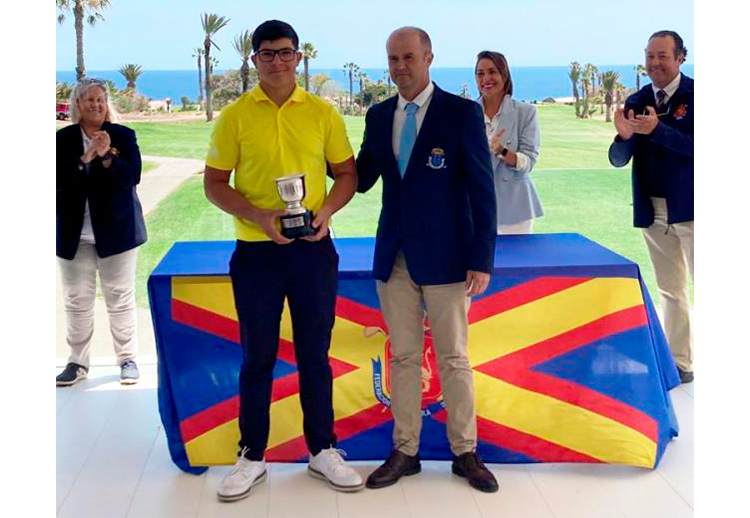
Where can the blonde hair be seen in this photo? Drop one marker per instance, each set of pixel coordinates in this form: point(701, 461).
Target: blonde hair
point(80, 90)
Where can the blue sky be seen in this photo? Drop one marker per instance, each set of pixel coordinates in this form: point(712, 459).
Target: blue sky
point(160, 34)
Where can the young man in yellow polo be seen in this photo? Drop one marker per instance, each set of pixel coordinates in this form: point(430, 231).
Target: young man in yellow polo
point(278, 129)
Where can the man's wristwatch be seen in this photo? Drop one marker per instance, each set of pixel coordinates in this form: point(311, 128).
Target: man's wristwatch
point(503, 152)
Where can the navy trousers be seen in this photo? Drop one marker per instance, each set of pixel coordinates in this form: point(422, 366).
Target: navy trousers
point(264, 274)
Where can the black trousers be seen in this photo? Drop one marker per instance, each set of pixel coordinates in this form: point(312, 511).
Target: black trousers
point(264, 274)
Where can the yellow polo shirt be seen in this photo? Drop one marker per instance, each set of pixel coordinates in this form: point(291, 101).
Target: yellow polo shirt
point(261, 141)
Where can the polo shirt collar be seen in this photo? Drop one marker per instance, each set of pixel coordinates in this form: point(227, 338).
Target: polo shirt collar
point(298, 95)
point(257, 94)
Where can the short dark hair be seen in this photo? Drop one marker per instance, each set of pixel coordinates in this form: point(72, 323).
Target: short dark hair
point(679, 46)
point(272, 30)
point(502, 66)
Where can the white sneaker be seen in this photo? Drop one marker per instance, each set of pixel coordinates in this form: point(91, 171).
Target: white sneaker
point(245, 475)
point(329, 466)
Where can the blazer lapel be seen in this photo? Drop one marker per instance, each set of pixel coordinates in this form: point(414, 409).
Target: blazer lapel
point(77, 138)
point(686, 86)
point(390, 111)
point(424, 136)
point(507, 119)
point(649, 99)
point(679, 98)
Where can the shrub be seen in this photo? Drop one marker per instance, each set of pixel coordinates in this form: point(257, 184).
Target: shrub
point(129, 100)
point(350, 109)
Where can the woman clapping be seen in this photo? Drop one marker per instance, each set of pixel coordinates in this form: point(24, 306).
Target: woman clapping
point(99, 225)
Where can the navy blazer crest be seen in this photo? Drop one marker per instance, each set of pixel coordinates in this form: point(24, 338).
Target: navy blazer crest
point(442, 214)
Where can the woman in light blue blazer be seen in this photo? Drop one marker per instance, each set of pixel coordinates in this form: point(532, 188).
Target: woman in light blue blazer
point(513, 135)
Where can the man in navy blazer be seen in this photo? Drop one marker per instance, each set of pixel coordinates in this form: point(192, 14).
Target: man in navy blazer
point(655, 128)
point(434, 248)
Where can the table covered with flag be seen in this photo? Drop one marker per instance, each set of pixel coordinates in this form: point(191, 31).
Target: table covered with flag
point(570, 361)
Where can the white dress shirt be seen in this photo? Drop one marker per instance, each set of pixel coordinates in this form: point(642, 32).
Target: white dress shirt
point(423, 101)
point(670, 89)
point(87, 231)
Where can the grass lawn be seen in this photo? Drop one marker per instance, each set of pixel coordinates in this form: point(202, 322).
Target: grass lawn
point(177, 139)
point(190, 139)
point(147, 166)
point(580, 191)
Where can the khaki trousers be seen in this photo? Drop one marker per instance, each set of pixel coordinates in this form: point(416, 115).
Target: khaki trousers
point(117, 276)
point(671, 251)
point(402, 303)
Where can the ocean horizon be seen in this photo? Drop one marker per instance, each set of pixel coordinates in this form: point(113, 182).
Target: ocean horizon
point(529, 83)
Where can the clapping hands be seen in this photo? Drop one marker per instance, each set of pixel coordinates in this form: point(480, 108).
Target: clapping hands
point(100, 144)
point(632, 124)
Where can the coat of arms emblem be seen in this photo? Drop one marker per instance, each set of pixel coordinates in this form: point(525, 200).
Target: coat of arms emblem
point(436, 159)
point(431, 390)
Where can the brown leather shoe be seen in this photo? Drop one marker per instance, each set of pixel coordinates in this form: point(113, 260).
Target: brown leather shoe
point(396, 466)
point(470, 466)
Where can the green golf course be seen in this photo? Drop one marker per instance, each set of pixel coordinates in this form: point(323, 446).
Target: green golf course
point(581, 192)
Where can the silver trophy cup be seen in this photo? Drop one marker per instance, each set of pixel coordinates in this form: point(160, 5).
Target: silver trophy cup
point(298, 220)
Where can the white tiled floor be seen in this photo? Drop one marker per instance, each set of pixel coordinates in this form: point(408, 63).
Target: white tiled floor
point(112, 461)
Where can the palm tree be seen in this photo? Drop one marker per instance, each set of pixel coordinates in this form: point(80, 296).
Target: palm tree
point(199, 54)
point(388, 78)
point(585, 81)
point(243, 44)
point(640, 70)
point(63, 90)
point(588, 80)
point(90, 9)
point(111, 86)
point(212, 64)
point(351, 69)
point(362, 80)
point(574, 73)
point(308, 53)
point(211, 23)
point(594, 75)
point(620, 90)
point(131, 73)
point(610, 80)
point(318, 82)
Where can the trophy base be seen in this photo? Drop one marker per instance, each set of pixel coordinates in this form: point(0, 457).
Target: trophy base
point(297, 225)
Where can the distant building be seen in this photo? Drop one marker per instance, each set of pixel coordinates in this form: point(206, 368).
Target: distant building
point(159, 104)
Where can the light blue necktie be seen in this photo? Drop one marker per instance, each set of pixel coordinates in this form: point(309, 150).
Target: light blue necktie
point(408, 137)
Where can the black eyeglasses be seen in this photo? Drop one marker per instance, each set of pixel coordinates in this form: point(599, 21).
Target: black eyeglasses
point(267, 55)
